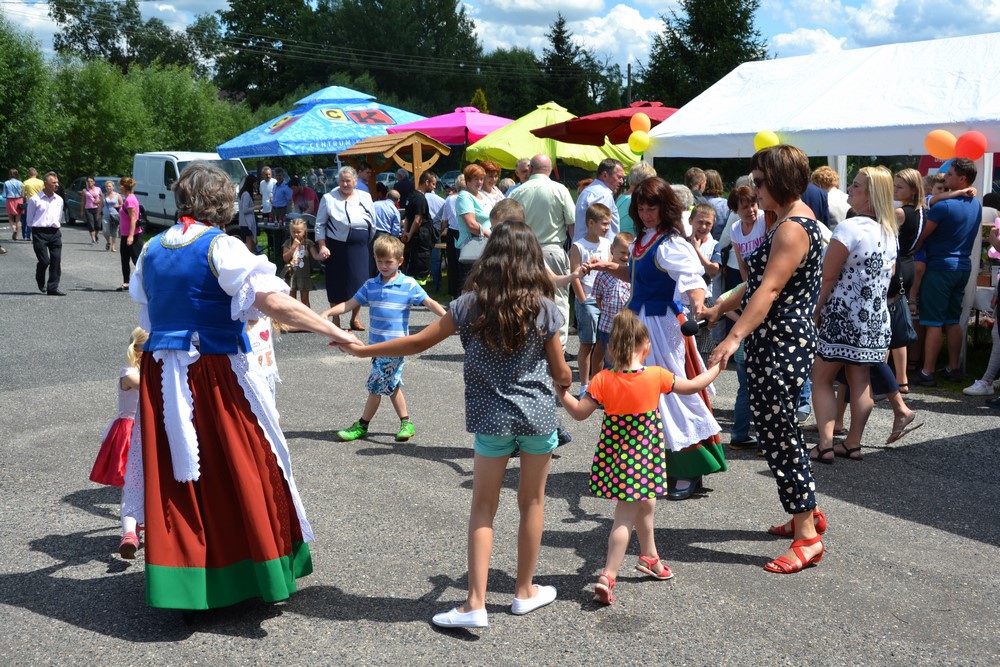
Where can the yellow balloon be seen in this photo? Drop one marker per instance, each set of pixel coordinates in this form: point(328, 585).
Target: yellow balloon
point(640, 123)
point(765, 139)
point(638, 142)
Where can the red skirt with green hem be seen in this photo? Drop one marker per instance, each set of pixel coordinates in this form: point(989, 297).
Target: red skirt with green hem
point(701, 458)
point(233, 534)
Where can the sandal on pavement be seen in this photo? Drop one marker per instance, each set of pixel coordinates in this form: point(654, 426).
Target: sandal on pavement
point(904, 388)
point(826, 456)
point(603, 592)
point(782, 565)
point(853, 453)
point(646, 565)
point(123, 288)
point(357, 326)
point(788, 530)
point(905, 428)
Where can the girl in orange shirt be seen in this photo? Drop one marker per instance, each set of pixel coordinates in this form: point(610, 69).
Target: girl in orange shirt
point(629, 463)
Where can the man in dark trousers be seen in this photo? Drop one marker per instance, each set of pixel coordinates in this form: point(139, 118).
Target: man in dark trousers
point(44, 216)
point(418, 234)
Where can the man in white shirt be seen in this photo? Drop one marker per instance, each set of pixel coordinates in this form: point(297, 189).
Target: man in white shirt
point(610, 176)
point(44, 216)
point(266, 189)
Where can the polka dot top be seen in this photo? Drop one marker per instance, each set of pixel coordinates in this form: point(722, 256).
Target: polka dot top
point(507, 394)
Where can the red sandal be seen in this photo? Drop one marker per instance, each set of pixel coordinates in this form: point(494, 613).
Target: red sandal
point(602, 593)
point(782, 530)
point(650, 563)
point(782, 565)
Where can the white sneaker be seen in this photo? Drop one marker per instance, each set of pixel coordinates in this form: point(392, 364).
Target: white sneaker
point(544, 596)
point(979, 388)
point(456, 619)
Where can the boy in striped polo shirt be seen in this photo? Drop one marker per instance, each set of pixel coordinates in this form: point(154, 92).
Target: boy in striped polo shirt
point(389, 297)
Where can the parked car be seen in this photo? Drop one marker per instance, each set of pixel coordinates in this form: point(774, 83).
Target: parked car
point(448, 178)
point(388, 178)
point(74, 189)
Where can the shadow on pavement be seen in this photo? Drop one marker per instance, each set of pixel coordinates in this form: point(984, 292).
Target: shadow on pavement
point(113, 603)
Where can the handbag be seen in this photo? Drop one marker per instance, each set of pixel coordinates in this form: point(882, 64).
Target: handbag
point(901, 323)
point(472, 250)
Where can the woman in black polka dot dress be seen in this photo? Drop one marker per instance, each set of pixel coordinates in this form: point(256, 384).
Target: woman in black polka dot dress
point(777, 323)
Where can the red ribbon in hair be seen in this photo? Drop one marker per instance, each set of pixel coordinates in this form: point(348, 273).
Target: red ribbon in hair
point(188, 221)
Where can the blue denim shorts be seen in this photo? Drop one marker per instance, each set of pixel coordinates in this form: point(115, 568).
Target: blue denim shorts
point(386, 376)
point(587, 314)
point(495, 446)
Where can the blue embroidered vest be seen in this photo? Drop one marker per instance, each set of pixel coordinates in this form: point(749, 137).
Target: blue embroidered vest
point(652, 287)
point(185, 298)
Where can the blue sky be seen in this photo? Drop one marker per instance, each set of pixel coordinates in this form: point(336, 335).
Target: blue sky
point(623, 31)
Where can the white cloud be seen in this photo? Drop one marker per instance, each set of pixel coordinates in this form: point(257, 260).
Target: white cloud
point(876, 22)
point(804, 41)
point(32, 18)
point(622, 34)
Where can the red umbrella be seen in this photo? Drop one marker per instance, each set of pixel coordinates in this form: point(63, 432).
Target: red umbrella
point(591, 130)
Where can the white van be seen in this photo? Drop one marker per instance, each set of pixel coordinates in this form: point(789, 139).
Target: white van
point(155, 173)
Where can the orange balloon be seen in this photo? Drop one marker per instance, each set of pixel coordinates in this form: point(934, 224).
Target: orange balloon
point(940, 144)
point(971, 145)
point(640, 123)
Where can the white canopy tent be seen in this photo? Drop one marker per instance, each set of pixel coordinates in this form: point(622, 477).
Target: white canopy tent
point(881, 100)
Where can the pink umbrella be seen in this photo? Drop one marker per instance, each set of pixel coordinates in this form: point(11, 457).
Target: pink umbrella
point(465, 125)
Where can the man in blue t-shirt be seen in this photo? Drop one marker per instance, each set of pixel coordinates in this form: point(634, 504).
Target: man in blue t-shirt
point(949, 234)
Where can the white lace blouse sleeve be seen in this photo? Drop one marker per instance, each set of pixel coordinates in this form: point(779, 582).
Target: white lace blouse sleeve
point(243, 276)
point(677, 257)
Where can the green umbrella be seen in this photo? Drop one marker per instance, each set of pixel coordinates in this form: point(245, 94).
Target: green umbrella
point(515, 141)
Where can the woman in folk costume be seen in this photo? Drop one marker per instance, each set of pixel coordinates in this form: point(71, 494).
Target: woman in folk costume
point(224, 521)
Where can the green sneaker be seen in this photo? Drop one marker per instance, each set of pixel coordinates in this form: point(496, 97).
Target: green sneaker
point(358, 430)
point(405, 430)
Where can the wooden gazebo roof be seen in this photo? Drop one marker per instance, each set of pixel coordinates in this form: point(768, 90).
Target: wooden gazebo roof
point(413, 151)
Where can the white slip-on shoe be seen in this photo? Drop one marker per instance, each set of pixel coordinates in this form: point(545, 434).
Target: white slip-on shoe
point(544, 596)
point(979, 388)
point(457, 619)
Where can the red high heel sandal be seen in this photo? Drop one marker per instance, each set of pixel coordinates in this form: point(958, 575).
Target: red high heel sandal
point(782, 565)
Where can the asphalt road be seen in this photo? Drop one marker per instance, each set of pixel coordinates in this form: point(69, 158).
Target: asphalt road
point(909, 577)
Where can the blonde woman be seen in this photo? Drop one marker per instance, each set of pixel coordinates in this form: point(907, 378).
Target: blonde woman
point(852, 314)
point(908, 190)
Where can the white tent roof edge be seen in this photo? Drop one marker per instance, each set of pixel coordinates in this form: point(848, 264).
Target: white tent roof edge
point(872, 101)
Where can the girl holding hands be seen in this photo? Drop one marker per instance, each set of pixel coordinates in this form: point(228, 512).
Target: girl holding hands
point(509, 328)
point(630, 462)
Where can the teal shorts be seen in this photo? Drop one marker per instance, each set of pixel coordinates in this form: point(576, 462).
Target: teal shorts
point(941, 294)
point(495, 446)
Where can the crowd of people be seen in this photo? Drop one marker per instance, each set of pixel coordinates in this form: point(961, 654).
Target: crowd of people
point(796, 288)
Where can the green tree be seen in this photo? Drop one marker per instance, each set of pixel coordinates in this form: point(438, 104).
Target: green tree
point(512, 79)
point(116, 32)
point(103, 119)
point(27, 110)
point(423, 51)
point(479, 101)
point(564, 63)
point(699, 47)
point(266, 53)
